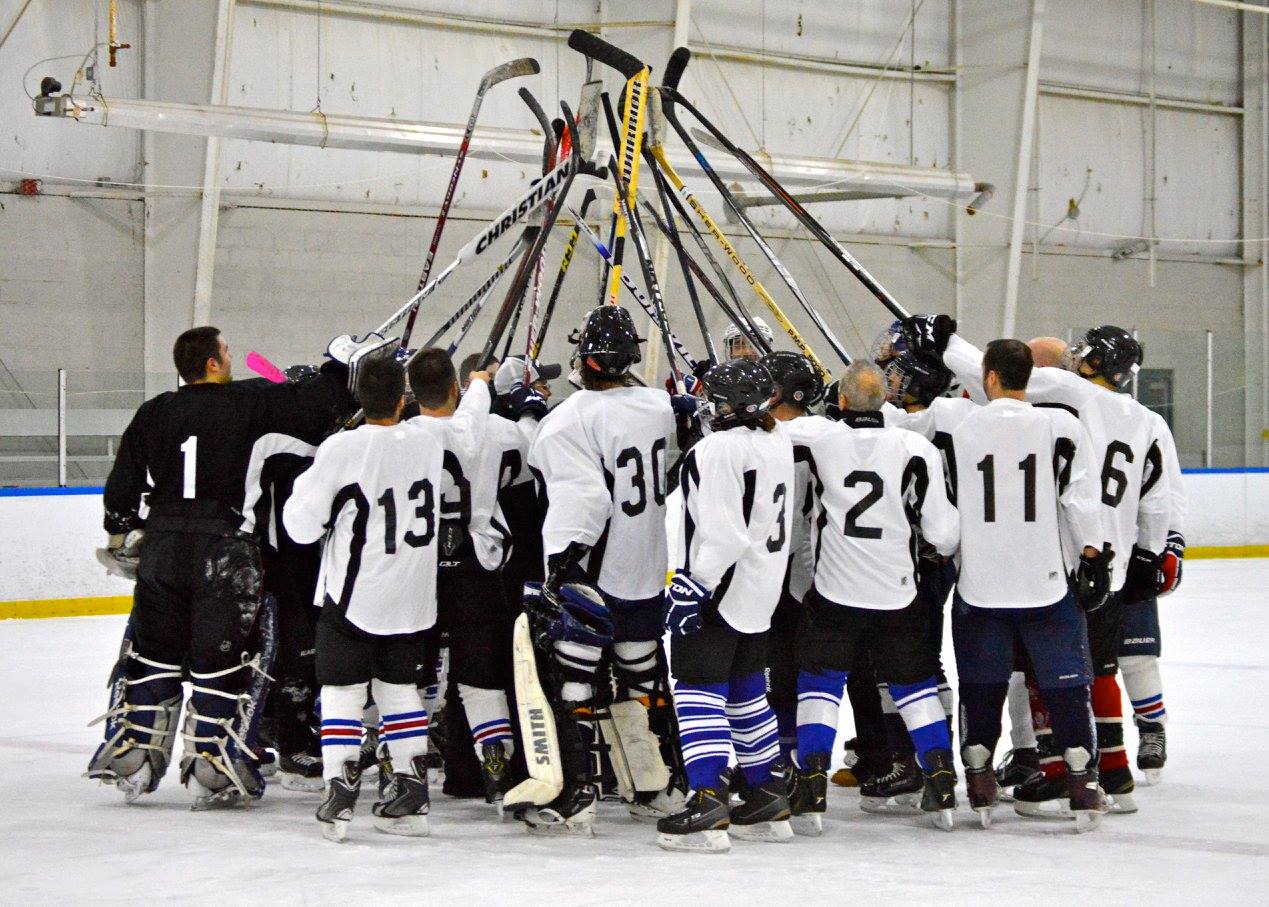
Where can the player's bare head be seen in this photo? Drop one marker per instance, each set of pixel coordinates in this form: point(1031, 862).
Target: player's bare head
point(433, 379)
point(381, 387)
point(201, 354)
point(1050, 352)
point(467, 366)
point(1007, 367)
point(862, 387)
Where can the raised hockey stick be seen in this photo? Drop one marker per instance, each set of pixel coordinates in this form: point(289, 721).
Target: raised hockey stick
point(264, 368)
point(477, 299)
point(535, 349)
point(715, 139)
point(530, 233)
point(525, 66)
point(637, 78)
point(669, 98)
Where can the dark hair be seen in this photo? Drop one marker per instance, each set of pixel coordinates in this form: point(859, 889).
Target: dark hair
point(192, 350)
point(1011, 361)
point(380, 386)
point(431, 377)
point(469, 364)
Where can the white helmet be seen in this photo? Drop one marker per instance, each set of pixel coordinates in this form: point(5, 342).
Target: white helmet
point(733, 333)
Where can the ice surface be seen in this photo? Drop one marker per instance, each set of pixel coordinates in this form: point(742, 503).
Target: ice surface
point(1201, 836)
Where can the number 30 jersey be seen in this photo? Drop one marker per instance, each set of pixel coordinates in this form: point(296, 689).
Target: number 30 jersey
point(737, 521)
point(601, 459)
point(873, 487)
point(375, 493)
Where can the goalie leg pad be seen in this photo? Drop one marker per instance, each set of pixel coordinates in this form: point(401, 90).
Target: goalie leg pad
point(537, 726)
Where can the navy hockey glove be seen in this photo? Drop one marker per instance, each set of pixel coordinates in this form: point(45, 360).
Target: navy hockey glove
point(1171, 563)
point(684, 599)
point(525, 401)
point(928, 333)
point(1092, 579)
point(684, 404)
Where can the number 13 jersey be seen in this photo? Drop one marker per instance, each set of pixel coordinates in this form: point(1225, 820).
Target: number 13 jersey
point(601, 459)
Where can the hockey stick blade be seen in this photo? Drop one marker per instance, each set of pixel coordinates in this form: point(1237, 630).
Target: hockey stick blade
point(597, 48)
point(524, 66)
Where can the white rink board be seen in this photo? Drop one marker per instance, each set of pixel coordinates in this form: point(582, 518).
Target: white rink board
point(1201, 837)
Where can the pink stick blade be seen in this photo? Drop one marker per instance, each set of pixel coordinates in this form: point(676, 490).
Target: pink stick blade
point(264, 368)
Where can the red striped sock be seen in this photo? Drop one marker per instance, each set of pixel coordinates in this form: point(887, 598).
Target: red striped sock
point(1108, 709)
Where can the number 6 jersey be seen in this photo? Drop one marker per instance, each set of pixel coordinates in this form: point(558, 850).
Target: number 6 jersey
point(601, 458)
point(375, 492)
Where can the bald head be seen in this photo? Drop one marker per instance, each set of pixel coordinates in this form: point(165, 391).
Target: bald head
point(1049, 352)
point(863, 387)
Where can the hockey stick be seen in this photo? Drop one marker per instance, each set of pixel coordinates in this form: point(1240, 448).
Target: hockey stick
point(525, 66)
point(669, 98)
point(716, 139)
point(477, 298)
point(529, 234)
point(569, 248)
point(637, 78)
point(264, 368)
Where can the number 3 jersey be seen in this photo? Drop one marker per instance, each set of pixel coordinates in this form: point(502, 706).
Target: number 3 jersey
point(601, 458)
point(375, 493)
point(737, 521)
point(872, 488)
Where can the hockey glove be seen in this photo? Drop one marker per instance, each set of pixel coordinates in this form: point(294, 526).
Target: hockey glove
point(352, 351)
point(525, 401)
point(684, 404)
point(1171, 564)
point(1143, 575)
point(1092, 579)
point(576, 613)
point(684, 599)
point(122, 554)
point(928, 333)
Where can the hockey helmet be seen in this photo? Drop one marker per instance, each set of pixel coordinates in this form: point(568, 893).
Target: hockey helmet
point(912, 378)
point(889, 343)
point(798, 380)
point(607, 342)
point(1110, 353)
point(739, 392)
point(734, 334)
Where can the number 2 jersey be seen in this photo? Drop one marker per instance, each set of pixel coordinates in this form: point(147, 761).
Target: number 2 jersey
point(375, 492)
point(601, 459)
point(737, 521)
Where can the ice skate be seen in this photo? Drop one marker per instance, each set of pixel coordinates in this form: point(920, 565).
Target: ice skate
point(219, 783)
point(809, 799)
point(982, 785)
point(571, 814)
point(853, 771)
point(301, 772)
point(336, 811)
point(1042, 798)
point(898, 792)
point(1119, 786)
point(1019, 766)
point(763, 813)
point(1087, 803)
point(402, 809)
point(938, 796)
point(656, 805)
point(493, 771)
point(701, 827)
point(1152, 750)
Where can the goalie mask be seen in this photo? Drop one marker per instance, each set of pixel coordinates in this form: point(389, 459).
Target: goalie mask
point(1109, 353)
point(739, 393)
point(737, 345)
point(915, 380)
point(607, 342)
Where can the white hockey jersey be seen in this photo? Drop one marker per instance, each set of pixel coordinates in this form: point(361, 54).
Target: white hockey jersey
point(737, 514)
point(601, 456)
point(1171, 473)
point(1125, 449)
point(802, 431)
point(872, 487)
point(375, 493)
point(935, 423)
point(1021, 475)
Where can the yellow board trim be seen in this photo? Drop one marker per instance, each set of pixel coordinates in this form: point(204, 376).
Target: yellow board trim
point(1205, 552)
point(66, 607)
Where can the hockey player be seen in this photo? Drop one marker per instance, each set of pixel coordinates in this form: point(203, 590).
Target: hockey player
point(737, 345)
point(373, 492)
point(876, 489)
point(600, 458)
point(737, 513)
point(1125, 444)
point(197, 610)
point(1025, 482)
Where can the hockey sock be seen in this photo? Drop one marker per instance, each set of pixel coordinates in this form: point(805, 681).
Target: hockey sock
point(898, 742)
point(402, 722)
point(819, 701)
point(704, 735)
point(1070, 714)
point(1050, 754)
point(753, 727)
point(870, 733)
point(489, 716)
point(1144, 687)
point(636, 668)
point(341, 709)
point(431, 694)
point(946, 699)
point(1109, 708)
point(922, 713)
point(981, 707)
point(1021, 729)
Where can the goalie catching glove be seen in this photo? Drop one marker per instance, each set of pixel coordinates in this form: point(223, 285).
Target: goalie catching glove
point(122, 554)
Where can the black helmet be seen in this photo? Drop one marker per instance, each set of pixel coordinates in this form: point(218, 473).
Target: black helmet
point(1110, 353)
point(798, 380)
point(739, 392)
point(607, 342)
point(913, 378)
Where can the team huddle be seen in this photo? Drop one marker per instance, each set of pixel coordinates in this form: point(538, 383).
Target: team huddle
point(323, 588)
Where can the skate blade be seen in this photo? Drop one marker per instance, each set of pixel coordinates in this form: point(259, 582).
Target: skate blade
point(777, 832)
point(984, 815)
point(844, 777)
point(301, 783)
point(1045, 809)
point(1086, 820)
point(902, 805)
point(336, 830)
point(943, 819)
point(1121, 804)
point(415, 826)
point(136, 784)
point(643, 813)
point(1006, 795)
point(1151, 776)
point(229, 798)
point(808, 825)
point(714, 840)
point(562, 830)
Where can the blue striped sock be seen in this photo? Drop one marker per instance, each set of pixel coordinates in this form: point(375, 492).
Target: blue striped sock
point(753, 727)
point(819, 701)
point(923, 715)
point(703, 732)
